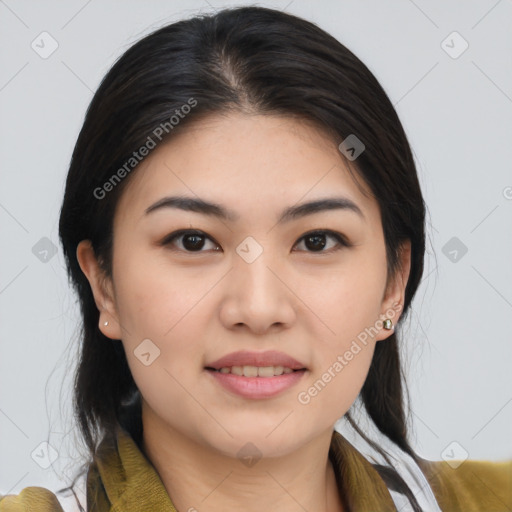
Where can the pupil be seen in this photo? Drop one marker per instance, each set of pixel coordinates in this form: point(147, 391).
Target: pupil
point(318, 241)
point(197, 244)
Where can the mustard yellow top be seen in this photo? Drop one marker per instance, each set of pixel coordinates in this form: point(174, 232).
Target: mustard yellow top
point(123, 480)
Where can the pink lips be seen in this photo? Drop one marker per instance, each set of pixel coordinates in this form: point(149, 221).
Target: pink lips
point(256, 387)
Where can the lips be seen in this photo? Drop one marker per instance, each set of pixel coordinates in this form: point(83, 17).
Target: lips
point(256, 375)
point(245, 358)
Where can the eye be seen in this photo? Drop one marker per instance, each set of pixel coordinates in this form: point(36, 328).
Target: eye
point(316, 241)
point(195, 241)
point(191, 240)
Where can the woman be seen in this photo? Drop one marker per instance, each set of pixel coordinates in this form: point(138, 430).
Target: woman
point(244, 227)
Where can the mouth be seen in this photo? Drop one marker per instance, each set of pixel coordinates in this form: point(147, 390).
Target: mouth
point(253, 364)
point(246, 381)
point(256, 375)
point(256, 371)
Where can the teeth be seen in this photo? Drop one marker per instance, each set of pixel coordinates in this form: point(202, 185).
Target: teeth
point(250, 371)
point(237, 370)
point(265, 371)
point(256, 371)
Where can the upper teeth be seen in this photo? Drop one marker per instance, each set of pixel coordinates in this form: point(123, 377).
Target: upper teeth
point(256, 371)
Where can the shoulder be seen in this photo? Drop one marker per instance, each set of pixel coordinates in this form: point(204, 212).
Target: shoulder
point(44, 500)
point(30, 498)
point(470, 486)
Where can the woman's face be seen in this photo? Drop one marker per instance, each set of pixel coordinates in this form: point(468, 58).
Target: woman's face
point(247, 285)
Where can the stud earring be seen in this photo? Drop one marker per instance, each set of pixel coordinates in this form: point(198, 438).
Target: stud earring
point(388, 324)
point(106, 323)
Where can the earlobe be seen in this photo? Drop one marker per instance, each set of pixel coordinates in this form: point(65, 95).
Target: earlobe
point(101, 289)
point(393, 302)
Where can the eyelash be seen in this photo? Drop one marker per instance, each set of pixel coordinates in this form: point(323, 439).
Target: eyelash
point(340, 239)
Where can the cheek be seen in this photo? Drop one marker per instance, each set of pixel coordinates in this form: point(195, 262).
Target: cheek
point(337, 380)
point(153, 298)
point(346, 309)
point(344, 302)
point(165, 306)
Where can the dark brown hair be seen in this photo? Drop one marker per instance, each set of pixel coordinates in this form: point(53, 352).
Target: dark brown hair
point(242, 59)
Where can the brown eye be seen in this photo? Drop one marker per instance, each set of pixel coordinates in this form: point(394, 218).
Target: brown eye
point(191, 241)
point(316, 241)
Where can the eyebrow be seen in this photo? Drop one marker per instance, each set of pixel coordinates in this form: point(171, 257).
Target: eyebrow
point(192, 204)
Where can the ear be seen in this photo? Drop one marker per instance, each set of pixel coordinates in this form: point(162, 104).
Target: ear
point(394, 295)
point(102, 290)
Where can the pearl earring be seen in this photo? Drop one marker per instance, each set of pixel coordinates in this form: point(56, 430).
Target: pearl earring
point(387, 324)
point(106, 323)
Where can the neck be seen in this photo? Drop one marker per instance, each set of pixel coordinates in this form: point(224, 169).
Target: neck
point(198, 477)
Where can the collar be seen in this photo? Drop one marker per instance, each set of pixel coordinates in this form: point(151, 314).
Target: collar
point(122, 478)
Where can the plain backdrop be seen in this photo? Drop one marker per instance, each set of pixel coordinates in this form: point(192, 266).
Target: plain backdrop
point(453, 93)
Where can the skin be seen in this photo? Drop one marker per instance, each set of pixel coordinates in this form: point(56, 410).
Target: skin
point(199, 306)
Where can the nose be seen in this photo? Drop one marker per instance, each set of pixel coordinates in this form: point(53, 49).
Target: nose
point(258, 297)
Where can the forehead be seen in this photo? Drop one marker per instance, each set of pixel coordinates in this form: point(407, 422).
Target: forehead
point(247, 163)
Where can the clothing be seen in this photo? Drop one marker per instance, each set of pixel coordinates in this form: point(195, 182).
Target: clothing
point(123, 480)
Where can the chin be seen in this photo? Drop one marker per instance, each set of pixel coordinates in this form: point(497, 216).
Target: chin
point(254, 439)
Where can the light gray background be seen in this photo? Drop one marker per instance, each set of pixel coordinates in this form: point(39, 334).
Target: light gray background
point(457, 113)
